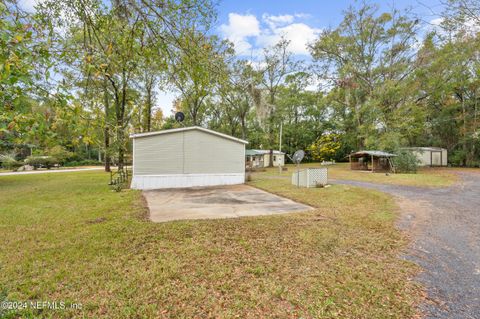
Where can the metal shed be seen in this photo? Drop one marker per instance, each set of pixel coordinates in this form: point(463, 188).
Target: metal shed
point(430, 156)
point(187, 157)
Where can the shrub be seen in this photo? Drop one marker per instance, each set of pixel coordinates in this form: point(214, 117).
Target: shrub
point(60, 154)
point(405, 162)
point(457, 158)
point(9, 162)
point(41, 161)
point(325, 147)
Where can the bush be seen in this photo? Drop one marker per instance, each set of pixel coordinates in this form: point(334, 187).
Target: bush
point(41, 161)
point(405, 162)
point(9, 162)
point(60, 154)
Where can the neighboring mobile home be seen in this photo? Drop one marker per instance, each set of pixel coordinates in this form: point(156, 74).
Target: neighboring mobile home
point(187, 157)
point(261, 158)
point(430, 156)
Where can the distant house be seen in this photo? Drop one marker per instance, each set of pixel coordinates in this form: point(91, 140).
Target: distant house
point(261, 158)
point(430, 156)
point(187, 157)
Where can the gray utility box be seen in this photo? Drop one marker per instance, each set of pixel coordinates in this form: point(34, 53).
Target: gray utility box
point(310, 177)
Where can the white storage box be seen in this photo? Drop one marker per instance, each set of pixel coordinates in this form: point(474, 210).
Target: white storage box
point(310, 177)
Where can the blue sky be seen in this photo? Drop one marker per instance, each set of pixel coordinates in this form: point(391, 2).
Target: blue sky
point(252, 25)
point(255, 24)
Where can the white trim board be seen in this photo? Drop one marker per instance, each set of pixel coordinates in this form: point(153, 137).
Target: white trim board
point(185, 180)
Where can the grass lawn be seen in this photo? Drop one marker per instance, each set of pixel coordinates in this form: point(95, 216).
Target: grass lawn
point(425, 177)
point(67, 237)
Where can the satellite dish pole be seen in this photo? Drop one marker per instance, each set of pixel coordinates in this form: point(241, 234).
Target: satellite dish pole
point(297, 158)
point(280, 148)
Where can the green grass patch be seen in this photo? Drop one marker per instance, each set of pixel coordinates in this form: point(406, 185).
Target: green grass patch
point(425, 177)
point(68, 237)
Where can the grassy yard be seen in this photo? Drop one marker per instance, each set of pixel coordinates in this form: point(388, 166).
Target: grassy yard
point(425, 177)
point(67, 237)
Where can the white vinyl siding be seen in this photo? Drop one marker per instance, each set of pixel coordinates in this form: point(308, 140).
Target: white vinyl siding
point(158, 154)
point(208, 153)
point(278, 159)
point(187, 152)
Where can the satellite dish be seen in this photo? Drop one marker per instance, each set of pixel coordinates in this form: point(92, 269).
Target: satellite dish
point(179, 117)
point(298, 156)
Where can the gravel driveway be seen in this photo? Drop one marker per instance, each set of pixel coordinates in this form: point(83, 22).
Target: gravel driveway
point(445, 228)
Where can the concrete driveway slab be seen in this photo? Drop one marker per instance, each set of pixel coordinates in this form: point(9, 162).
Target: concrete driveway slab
point(216, 202)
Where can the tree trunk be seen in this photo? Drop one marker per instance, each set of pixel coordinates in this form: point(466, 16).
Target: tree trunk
point(120, 141)
point(120, 122)
point(106, 130)
point(270, 164)
point(244, 128)
point(148, 106)
point(194, 113)
point(464, 135)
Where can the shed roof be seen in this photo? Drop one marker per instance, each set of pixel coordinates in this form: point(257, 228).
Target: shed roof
point(372, 153)
point(190, 128)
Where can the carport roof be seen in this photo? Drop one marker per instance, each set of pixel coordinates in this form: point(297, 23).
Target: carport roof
point(190, 128)
point(372, 153)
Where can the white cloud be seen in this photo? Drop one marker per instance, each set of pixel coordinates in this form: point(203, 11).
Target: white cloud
point(257, 65)
point(303, 15)
point(250, 35)
point(28, 5)
point(469, 26)
point(299, 35)
point(436, 22)
point(276, 21)
point(239, 29)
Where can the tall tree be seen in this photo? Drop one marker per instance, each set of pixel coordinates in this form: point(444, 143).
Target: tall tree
point(195, 71)
point(234, 89)
point(368, 62)
point(278, 62)
point(24, 65)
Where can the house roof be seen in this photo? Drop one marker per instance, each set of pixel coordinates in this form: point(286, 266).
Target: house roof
point(190, 128)
point(372, 153)
point(252, 152)
point(262, 152)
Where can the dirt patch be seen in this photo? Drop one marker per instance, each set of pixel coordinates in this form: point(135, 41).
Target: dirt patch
point(415, 213)
point(96, 220)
